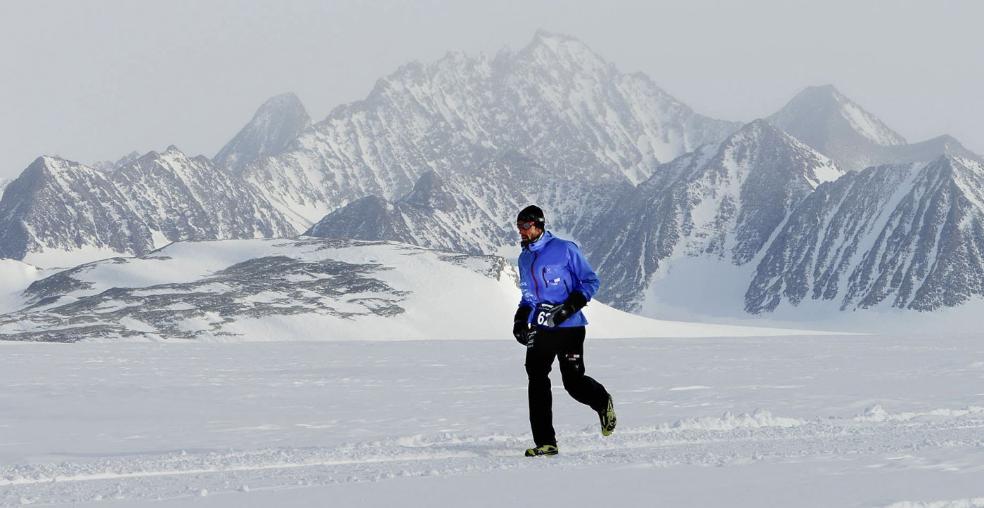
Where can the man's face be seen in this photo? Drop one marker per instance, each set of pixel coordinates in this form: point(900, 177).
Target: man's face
point(528, 231)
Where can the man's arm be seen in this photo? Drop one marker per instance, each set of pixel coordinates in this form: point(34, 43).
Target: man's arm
point(521, 327)
point(524, 284)
point(585, 279)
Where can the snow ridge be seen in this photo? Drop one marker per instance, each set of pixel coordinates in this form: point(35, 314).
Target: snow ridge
point(57, 205)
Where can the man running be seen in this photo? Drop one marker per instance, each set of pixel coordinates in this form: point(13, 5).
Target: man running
point(556, 282)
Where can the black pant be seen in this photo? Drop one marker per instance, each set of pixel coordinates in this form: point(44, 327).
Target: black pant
point(568, 345)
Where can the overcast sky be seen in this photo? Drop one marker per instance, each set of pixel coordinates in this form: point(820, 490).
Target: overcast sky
point(95, 80)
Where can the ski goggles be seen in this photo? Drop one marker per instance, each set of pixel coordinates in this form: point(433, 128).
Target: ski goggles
point(523, 226)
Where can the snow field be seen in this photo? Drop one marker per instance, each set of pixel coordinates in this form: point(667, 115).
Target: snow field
point(752, 421)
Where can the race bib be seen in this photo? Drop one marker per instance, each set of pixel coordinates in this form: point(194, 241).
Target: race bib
point(544, 314)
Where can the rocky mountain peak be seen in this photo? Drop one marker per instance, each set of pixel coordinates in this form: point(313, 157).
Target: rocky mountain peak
point(949, 145)
point(752, 133)
point(561, 51)
point(759, 140)
point(827, 104)
point(278, 122)
point(52, 166)
point(107, 166)
point(836, 126)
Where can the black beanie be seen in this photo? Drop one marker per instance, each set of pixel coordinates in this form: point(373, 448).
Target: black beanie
point(531, 213)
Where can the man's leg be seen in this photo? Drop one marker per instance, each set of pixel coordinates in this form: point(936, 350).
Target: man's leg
point(571, 355)
point(538, 361)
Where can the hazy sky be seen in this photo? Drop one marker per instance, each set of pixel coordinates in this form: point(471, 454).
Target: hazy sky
point(95, 80)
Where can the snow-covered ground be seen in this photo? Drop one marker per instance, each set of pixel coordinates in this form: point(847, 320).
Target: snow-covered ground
point(741, 421)
point(14, 277)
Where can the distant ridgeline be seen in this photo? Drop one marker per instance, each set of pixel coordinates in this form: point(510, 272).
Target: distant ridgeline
point(819, 203)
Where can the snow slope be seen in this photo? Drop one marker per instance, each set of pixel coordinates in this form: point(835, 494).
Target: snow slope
point(305, 289)
point(15, 276)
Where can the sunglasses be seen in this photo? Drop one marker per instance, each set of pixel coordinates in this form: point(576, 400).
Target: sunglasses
point(525, 225)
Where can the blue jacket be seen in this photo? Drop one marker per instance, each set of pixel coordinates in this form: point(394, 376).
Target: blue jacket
point(549, 269)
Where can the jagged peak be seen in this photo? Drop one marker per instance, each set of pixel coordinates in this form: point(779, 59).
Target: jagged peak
point(556, 42)
point(53, 164)
point(828, 91)
point(282, 107)
point(758, 134)
point(52, 167)
point(49, 160)
point(108, 165)
point(166, 159)
point(817, 105)
point(946, 144)
point(285, 106)
point(416, 71)
point(286, 99)
point(132, 156)
point(761, 137)
point(755, 132)
point(150, 155)
point(276, 123)
point(949, 144)
point(554, 47)
point(171, 151)
point(822, 97)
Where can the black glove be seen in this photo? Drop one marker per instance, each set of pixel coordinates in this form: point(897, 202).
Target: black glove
point(521, 326)
point(551, 316)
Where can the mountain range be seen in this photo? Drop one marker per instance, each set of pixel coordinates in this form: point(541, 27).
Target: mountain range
point(58, 209)
point(837, 127)
point(819, 202)
point(909, 236)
